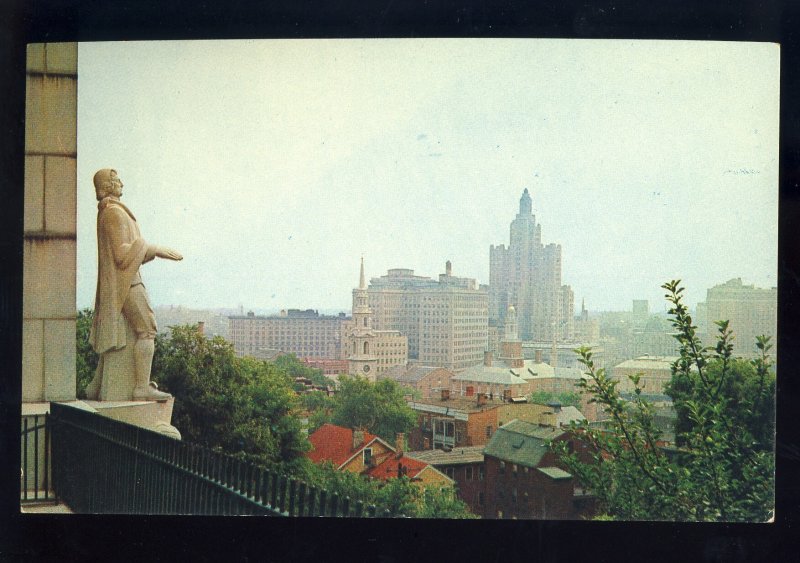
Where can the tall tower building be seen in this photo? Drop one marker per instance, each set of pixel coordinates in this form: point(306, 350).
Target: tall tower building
point(527, 275)
point(369, 351)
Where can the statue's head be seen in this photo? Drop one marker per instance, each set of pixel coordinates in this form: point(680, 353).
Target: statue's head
point(107, 183)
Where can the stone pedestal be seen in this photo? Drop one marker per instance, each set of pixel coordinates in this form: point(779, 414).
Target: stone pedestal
point(153, 415)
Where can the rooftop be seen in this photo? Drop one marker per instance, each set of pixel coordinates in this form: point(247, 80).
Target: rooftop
point(521, 442)
point(457, 456)
point(648, 362)
point(501, 374)
point(410, 373)
point(335, 444)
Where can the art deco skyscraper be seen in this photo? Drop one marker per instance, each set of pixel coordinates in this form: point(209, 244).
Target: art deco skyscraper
point(527, 276)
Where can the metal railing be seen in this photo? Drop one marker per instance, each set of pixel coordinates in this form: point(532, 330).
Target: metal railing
point(35, 478)
point(102, 465)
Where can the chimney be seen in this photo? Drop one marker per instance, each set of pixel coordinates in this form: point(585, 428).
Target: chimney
point(538, 356)
point(555, 405)
point(358, 438)
point(399, 443)
point(426, 443)
point(481, 399)
point(547, 419)
point(201, 328)
point(487, 358)
point(445, 394)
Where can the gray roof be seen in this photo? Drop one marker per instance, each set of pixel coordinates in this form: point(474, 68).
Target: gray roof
point(521, 442)
point(410, 374)
point(458, 456)
point(501, 374)
point(568, 414)
point(554, 472)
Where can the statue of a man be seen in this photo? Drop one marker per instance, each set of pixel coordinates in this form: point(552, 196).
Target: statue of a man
point(121, 296)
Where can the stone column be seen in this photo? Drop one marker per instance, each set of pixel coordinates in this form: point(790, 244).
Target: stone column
point(48, 306)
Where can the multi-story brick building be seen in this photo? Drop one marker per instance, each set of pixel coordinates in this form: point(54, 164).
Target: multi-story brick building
point(427, 381)
point(445, 320)
point(454, 422)
point(752, 311)
point(465, 467)
point(524, 479)
point(655, 372)
point(369, 351)
point(307, 334)
point(527, 275)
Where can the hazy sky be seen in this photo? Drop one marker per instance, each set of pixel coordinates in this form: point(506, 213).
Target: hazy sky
point(273, 166)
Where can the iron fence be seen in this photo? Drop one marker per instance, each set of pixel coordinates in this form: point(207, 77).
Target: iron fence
point(35, 477)
point(100, 465)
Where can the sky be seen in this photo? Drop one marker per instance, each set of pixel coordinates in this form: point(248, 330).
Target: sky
point(273, 166)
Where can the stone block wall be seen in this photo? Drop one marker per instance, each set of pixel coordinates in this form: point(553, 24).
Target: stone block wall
point(49, 280)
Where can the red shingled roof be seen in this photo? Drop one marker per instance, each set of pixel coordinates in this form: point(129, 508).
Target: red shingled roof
point(334, 443)
point(388, 468)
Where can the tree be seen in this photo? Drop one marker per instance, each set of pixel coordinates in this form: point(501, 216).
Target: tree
point(293, 367)
point(724, 471)
point(378, 407)
point(242, 406)
point(85, 359)
point(566, 398)
point(400, 496)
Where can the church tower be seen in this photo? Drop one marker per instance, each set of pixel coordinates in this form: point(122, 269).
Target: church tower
point(362, 359)
point(511, 346)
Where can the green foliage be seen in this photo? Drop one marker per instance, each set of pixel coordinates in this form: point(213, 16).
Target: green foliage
point(239, 405)
point(85, 359)
point(293, 367)
point(566, 398)
point(377, 407)
point(400, 496)
point(724, 472)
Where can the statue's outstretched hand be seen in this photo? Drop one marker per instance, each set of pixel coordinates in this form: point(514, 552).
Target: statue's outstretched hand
point(168, 253)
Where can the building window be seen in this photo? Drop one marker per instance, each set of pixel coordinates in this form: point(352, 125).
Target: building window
point(488, 431)
point(502, 467)
point(480, 499)
point(481, 473)
point(367, 456)
point(468, 473)
point(514, 495)
point(450, 472)
point(499, 514)
point(514, 469)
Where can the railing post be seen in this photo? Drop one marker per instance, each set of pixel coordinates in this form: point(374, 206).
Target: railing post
point(359, 508)
point(371, 510)
point(323, 497)
point(335, 505)
point(25, 458)
point(292, 496)
point(282, 484)
point(301, 499)
point(46, 455)
point(312, 493)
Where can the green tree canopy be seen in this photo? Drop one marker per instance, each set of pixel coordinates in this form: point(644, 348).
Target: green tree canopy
point(724, 471)
point(377, 407)
point(240, 405)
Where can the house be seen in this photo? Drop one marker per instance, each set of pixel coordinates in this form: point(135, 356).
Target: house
point(360, 452)
point(427, 381)
point(347, 449)
point(524, 479)
point(454, 422)
point(463, 465)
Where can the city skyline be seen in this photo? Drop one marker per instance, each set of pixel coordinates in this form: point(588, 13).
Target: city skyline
point(273, 166)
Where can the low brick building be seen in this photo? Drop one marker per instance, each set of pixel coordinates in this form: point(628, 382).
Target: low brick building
point(450, 422)
point(427, 381)
point(524, 479)
point(465, 466)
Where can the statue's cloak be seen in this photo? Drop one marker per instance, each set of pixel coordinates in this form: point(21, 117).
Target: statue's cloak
point(120, 252)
